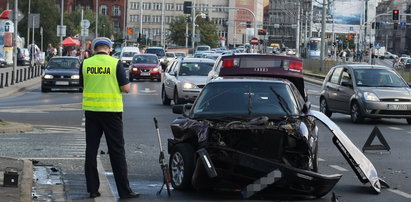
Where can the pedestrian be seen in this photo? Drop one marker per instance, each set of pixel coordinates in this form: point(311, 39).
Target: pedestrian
point(104, 79)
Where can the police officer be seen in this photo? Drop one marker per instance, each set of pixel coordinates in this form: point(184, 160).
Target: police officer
point(104, 80)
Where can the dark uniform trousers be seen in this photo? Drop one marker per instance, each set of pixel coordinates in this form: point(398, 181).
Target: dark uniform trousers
point(111, 124)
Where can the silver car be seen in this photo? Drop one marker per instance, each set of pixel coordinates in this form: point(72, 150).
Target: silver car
point(184, 79)
point(365, 91)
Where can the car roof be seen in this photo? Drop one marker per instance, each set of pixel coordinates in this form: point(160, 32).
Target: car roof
point(145, 54)
point(232, 79)
point(363, 66)
point(154, 47)
point(197, 60)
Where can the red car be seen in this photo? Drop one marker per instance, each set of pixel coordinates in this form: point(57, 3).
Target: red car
point(145, 66)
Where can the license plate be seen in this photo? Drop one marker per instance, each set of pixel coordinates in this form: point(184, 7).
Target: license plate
point(62, 83)
point(397, 107)
point(145, 74)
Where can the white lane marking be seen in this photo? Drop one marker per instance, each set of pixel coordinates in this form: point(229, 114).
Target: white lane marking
point(338, 168)
point(395, 128)
point(401, 193)
point(57, 158)
point(147, 90)
point(106, 190)
point(320, 159)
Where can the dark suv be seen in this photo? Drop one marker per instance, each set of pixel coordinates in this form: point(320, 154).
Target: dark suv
point(161, 54)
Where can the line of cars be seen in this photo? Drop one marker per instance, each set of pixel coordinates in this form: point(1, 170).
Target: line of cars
point(251, 130)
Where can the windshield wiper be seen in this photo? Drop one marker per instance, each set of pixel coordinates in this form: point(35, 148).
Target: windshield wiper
point(282, 102)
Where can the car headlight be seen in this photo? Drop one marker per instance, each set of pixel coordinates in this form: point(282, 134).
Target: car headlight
point(189, 85)
point(75, 76)
point(124, 61)
point(48, 76)
point(135, 69)
point(370, 96)
point(155, 70)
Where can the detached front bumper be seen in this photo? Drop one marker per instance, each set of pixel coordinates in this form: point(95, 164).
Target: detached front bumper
point(253, 174)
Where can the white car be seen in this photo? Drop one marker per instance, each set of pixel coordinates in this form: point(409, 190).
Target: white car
point(184, 79)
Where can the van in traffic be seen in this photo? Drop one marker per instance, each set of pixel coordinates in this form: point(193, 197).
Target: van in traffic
point(127, 54)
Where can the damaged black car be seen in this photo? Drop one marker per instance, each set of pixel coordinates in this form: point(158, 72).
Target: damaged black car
point(252, 135)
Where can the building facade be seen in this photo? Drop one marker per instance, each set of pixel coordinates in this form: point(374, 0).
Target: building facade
point(395, 40)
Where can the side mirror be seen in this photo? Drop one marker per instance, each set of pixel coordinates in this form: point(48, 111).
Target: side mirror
point(347, 83)
point(182, 109)
point(306, 107)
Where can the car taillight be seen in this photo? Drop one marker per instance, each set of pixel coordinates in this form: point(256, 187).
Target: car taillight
point(231, 62)
point(296, 65)
point(228, 63)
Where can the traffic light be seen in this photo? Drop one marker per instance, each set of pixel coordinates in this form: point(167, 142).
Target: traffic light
point(139, 37)
point(187, 7)
point(395, 25)
point(130, 30)
point(377, 25)
point(395, 14)
point(262, 32)
point(248, 24)
point(373, 25)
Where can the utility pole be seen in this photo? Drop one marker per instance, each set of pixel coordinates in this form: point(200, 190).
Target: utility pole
point(162, 25)
point(61, 28)
point(96, 18)
point(297, 40)
point(14, 39)
point(323, 31)
point(193, 14)
point(141, 19)
point(28, 28)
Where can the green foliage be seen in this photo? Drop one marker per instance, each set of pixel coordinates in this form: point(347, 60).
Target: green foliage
point(208, 32)
point(72, 21)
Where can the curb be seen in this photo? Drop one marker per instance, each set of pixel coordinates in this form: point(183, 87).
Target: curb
point(21, 87)
point(26, 181)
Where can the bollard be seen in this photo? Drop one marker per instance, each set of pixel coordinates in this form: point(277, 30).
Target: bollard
point(21, 75)
point(25, 74)
point(12, 78)
point(1, 80)
point(6, 83)
point(17, 77)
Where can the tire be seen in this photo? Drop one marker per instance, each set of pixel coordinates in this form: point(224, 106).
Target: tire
point(409, 120)
point(355, 112)
point(164, 98)
point(324, 107)
point(181, 166)
point(176, 100)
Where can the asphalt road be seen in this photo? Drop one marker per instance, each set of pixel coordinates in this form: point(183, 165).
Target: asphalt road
point(58, 139)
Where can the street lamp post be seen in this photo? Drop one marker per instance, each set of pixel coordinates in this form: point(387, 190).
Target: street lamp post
point(96, 18)
point(194, 25)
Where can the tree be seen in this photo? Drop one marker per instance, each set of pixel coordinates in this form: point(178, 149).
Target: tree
point(208, 31)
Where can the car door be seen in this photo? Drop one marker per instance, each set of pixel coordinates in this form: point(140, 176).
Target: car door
point(344, 91)
point(170, 78)
point(331, 89)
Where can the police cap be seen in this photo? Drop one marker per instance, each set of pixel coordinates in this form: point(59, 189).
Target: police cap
point(101, 40)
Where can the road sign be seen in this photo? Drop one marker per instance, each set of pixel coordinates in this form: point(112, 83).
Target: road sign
point(34, 20)
point(84, 32)
point(85, 24)
point(403, 24)
point(61, 30)
point(377, 45)
point(254, 41)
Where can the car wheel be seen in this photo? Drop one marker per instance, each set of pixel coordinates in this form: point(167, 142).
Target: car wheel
point(181, 166)
point(324, 107)
point(356, 116)
point(176, 99)
point(164, 98)
point(409, 120)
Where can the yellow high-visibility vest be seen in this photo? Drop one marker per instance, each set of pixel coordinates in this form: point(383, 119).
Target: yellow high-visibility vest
point(101, 91)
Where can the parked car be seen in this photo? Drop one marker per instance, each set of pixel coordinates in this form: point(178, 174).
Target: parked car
point(145, 66)
point(23, 56)
point(127, 53)
point(365, 91)
point(184, 79)
point(61, 73)
point(388, 55)
point(255, 134)
point(3, 62)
